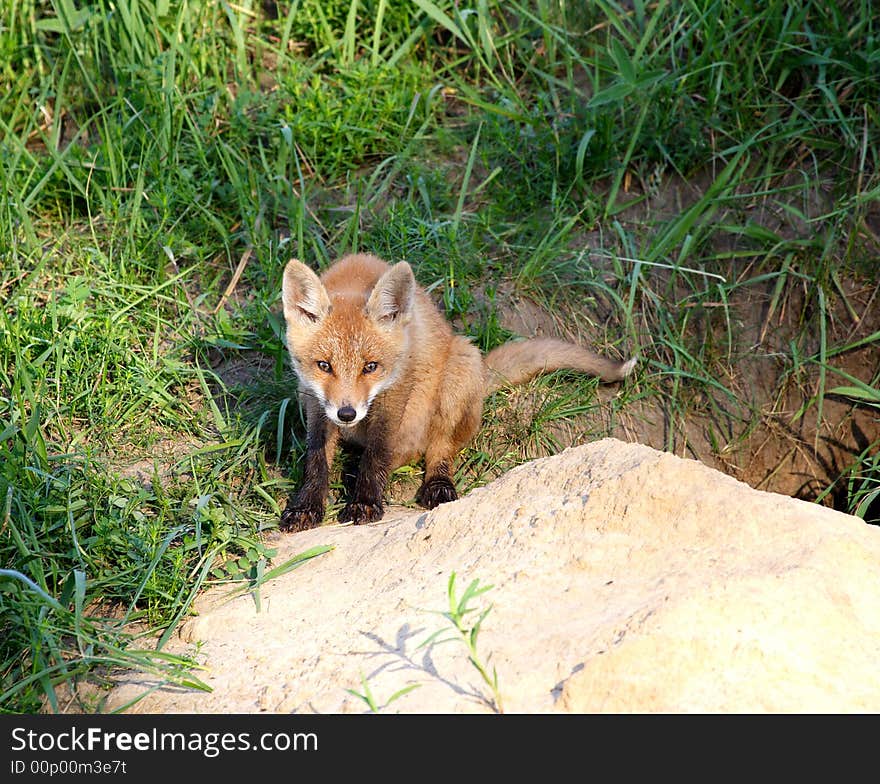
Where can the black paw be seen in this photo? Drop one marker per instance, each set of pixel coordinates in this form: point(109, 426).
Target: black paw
point(357, 513)
point(436, 491)
point(300, 517)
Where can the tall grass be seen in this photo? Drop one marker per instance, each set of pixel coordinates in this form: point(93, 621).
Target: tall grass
point(651, 171)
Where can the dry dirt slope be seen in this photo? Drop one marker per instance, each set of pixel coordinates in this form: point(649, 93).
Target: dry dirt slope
point(624, 579)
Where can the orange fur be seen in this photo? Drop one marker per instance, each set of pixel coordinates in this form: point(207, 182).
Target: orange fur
point(380, 368)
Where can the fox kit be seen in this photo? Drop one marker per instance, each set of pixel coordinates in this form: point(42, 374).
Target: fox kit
point(380, 368)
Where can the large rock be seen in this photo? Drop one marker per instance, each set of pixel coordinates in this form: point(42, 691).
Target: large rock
point(624, 579)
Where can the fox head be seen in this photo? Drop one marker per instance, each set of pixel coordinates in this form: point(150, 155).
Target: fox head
point(347, 346)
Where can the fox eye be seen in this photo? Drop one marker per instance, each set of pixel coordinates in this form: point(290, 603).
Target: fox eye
point(370, 367)
point(325, 366)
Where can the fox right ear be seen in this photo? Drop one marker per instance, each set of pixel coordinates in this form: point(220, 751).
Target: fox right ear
point(303, 295)
point(392, 296)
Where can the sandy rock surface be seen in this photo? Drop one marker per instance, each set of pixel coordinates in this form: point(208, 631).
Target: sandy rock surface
point(624, 579)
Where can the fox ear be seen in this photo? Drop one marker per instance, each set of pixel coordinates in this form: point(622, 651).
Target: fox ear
point(304, 296)
point(392, 296)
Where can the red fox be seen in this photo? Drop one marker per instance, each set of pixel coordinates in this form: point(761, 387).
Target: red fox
point(380, 368)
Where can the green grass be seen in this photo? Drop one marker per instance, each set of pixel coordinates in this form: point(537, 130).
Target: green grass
point(462, 628)
point(694, 181)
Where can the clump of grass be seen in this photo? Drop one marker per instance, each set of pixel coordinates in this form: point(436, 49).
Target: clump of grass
point(862, 478)
point(53, 601)
point(360, 114)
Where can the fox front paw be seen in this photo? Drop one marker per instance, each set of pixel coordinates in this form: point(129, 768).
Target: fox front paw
point(300, 517)
point(436, 491)
point(358, 512)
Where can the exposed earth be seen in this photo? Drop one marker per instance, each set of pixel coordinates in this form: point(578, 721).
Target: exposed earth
point(622, 579)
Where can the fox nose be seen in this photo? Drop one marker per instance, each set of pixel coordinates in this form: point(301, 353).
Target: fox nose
point(346, 414)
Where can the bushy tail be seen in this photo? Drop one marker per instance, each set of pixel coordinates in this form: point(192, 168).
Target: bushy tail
point(519, 361)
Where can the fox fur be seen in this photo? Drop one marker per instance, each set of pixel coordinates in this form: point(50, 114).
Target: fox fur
point(380, 369)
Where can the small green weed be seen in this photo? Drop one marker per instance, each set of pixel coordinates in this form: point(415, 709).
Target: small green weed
point(370, 700)
point(466, 630)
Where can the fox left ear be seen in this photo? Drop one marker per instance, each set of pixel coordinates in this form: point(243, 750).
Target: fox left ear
point(392, 296)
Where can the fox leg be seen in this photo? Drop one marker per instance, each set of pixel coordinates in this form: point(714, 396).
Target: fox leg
point(437, 488)
point(305, 509)
point(366, 488)
point(455, 423)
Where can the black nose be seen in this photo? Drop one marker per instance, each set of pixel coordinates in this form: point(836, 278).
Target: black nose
point(346, 414)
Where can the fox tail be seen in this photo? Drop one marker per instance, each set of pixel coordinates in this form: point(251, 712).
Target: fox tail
point(519, 361)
